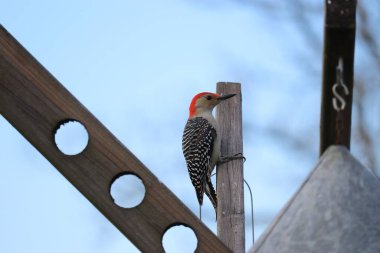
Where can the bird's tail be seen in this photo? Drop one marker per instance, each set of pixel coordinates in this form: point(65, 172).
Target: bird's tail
point(211, 194)
point(199, 189)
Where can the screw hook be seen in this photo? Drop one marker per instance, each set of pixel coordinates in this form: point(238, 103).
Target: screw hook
point(339, 83)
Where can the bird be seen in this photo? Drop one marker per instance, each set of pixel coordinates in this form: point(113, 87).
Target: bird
point(201, 142)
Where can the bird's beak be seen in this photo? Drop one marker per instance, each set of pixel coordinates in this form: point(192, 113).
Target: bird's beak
point(227, 96)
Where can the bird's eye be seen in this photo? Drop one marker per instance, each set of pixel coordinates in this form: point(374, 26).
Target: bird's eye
point(208, 97)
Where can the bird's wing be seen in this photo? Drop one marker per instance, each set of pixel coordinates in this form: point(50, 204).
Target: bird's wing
point(197, 145)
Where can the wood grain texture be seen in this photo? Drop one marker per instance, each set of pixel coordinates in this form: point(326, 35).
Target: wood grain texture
point(230, 185)
point(34, 102)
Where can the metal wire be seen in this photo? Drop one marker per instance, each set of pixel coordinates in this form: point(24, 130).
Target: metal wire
point(252, 220)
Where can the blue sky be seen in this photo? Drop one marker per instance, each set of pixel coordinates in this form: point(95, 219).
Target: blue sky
point(136, 65)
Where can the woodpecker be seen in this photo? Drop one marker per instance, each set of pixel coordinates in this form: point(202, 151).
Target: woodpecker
point(201, 143)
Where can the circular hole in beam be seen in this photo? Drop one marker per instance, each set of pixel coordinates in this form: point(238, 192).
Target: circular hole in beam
point(127, 190)
point(71, 137)
point(179, 238)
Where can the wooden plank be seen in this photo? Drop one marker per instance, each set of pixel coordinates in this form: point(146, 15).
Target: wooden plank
point(230, 184)
point(339, 42)
point(34, 102)
point(336, 209)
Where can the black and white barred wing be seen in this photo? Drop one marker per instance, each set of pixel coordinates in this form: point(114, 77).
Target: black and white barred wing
point(197, 145)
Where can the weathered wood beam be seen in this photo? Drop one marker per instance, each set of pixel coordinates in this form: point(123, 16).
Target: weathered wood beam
point(34, 102)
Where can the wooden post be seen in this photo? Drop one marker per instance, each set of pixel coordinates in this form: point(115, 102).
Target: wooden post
point(230, 184)
point(339, 43)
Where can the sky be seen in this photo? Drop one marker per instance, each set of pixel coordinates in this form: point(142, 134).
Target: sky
point(136, 65)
